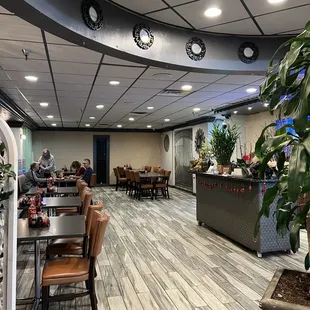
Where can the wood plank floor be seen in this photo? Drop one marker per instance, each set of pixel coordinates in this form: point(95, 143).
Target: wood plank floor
point(155, 256)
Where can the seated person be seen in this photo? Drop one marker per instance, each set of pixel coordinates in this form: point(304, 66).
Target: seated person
point(32, 179)
point(88, 171)
point(79, 169)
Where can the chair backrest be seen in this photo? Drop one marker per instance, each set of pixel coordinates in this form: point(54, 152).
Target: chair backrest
point(93, 179)
point(82, 187)
point(21, 181)
point(115, 172)
point(167, 174)
point(98, 228)
point(148, 168)
point(90, 213)
point(78, 183)
point(127, 174)
point(132, 176)
point(121, 172)
point(156, 169)
point(137, 176)
point(161, 171)
point(88, 196)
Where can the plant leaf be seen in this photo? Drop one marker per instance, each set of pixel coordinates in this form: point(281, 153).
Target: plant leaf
point(297, 171)
point(261, 140)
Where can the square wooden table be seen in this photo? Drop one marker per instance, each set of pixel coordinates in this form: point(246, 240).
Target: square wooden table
point(59, 191)
point(60, 227)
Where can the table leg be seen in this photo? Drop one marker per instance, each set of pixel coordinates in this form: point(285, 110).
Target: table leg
point(37, 275)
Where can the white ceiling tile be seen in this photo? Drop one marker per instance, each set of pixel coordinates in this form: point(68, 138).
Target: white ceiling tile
point(13, 49)
point(109, 60)
point(73, 79)
point(73, 54)
point(245, 27)
point(108, 90)
point(220, 87)
point(70, 100)
point(239, 79)
point(142, 91)
point(38, 92)
point(201, 77)
point(73, 87)
point(244, 90)
point(141, 6)
point(19, 76)
point(37, 99)
point(263, 7)
point(177, 2)
point(163, 99)
point(203, 95)
point(13, 64)
point(195, 86)
point(26, 85)
point(137, 98)
point(295, 32)
point(152, 84)
point(194, 12)
point(273, 23)
point(168, 75)
point(3, 76)
point(170, 17)
point(73, 68)
point(118, 72)
point(19, 29)
point(73, 94)
point(69, 124)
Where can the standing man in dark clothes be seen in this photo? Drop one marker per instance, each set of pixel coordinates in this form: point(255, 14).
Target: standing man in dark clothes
point(88, 171)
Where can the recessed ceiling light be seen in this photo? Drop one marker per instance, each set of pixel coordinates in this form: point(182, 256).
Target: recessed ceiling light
point(275, 1)
point(250, 108)
point(44, 104)
point(131, 119)
point(87, 125)
point(31, 78)
point(196, 109)
point(149, 126)
point(50, 116)
point(235, 112)
point(150, 108)
point(167, 119)
point(213, 12)
point(54, 124)
point(92, 117)
point(114, 83)
point(251, 90)
point(119, 126)
point(187, 87)
point(100, 106)
point(266, 105)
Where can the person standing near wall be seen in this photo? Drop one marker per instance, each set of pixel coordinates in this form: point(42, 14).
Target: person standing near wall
point(47, 163)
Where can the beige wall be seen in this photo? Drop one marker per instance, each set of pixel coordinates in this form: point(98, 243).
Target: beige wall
point(136, 149)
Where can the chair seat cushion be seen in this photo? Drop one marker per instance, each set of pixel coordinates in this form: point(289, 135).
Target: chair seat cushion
point(66, 210)
point(147, 186)
point(65, 270)
point(122, 179)
point(161, 185)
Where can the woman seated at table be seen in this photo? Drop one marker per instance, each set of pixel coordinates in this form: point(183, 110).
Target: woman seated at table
point(79, 169)
point(32, 179)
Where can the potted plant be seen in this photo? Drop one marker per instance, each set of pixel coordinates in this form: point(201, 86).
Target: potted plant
point(286, 89)
point(223, 142)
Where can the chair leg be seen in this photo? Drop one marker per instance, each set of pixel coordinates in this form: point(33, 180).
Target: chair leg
point(87, 284)
point(168, 193)
point(92, 295)
point(45, 296)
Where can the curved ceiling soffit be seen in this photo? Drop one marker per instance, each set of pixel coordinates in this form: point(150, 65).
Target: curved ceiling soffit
point(171, 48)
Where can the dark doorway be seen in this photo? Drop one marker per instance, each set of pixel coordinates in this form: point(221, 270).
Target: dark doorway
point(102, 159)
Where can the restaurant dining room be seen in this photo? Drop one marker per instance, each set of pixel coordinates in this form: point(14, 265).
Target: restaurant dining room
point(154, 155)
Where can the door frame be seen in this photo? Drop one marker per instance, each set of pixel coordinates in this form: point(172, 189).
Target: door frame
point(95, 139)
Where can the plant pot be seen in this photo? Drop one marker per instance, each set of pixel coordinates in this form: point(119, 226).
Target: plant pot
point(226, 169)
point(267, 303)
point(220, 169)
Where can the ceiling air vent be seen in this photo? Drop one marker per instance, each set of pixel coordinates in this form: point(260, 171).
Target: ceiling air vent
point(138, 113)
point(173, 93)
point(103, 125)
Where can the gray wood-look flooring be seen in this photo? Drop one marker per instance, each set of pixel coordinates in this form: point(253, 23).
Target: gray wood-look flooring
point(155, 256)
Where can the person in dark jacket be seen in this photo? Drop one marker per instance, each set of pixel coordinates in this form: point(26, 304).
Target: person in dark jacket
point(88, 171)
point(32, 179)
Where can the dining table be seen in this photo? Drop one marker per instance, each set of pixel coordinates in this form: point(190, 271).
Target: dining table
point(68, 190)
point(60, 227)
point(62, 182)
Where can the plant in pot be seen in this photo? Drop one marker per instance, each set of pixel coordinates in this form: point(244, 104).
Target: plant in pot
point(223, 143)
point(286, 89)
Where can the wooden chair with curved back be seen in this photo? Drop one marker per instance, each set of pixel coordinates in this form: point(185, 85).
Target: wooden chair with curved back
point(164, 184)
point(67, 270)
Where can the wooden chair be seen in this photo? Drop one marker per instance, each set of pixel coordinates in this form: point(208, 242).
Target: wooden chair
point(68, 270)
point(164, 184)
point(21, 181)
point(73, 246)
point(161, 171)
point(148, 168)
point(121, 172)
point(155, 169)
point(120, 181)
point(93, 180)
point(128, 184)
point(142, 187)
point(132, 188)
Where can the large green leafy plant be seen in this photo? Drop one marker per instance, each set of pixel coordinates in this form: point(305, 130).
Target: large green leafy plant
point(287, 89)
point(223, 142)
